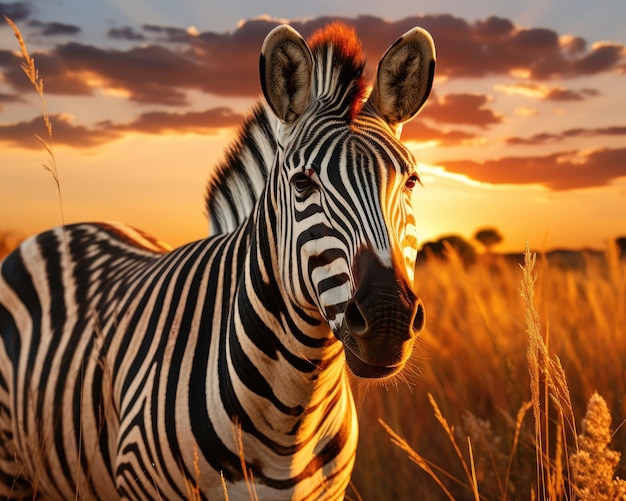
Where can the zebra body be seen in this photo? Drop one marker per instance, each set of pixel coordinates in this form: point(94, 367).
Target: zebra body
point(129, 370)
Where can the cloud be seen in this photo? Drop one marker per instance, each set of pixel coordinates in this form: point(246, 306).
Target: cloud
point(57, 76)
point(550, 137)
point(54, 28)
point(160, 122)
point(22, 134)
point(16, 11)
point(67, 133)
point(169, 33)
point(559, 171)
point(172, 61)
point(462, 108)
point(210, 121)
point(418, 131)
point(546, 92)
point(602, 57)
point(9, 98)
point(125, 33)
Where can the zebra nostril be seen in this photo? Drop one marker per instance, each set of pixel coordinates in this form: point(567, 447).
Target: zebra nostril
point(354, 318)
point(420, 318)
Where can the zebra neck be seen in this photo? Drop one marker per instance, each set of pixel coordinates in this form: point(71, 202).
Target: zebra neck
point(297, 385)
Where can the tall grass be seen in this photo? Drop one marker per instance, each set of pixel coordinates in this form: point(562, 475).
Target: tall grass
point(511, 359)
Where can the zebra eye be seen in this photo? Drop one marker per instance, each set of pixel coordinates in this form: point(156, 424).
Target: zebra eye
point(303, 182)
point(411, 182)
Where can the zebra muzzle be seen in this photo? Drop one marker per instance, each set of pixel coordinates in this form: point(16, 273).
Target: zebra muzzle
point(381, 320)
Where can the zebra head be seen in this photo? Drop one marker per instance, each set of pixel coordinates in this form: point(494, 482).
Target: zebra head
point(345, 229)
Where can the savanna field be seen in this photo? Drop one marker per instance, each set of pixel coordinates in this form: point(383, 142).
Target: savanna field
point(516, 391)
point(469, 385)
point(474, 367)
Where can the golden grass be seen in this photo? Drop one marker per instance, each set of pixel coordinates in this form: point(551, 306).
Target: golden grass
point(501, 341)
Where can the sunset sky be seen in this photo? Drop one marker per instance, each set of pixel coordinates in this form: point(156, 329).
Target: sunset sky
point(525, 130)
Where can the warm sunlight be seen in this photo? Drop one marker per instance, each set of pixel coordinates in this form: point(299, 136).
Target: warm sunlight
point(142, 112)
point(377, 254)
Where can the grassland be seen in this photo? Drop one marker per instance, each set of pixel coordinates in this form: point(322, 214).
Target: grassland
point(474, 363)
point(505, 397)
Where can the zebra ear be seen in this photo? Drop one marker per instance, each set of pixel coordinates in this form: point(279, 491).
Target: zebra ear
point(286, 71)
point(405, 77)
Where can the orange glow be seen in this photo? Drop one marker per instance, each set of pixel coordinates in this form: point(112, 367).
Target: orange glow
point(536, 151)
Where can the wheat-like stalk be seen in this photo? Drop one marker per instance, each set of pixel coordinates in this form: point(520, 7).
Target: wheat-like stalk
point(415, 457)
point(32, 73)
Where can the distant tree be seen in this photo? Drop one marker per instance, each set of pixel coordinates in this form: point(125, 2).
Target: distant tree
point(437, 249)
point(621, 246)
point(488, 237)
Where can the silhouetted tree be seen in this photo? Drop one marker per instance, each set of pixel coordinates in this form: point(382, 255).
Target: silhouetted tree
point(437, 249)
point(621, 246)
point(488, 237)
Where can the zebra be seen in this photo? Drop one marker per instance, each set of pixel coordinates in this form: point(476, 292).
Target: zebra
point(129, 370)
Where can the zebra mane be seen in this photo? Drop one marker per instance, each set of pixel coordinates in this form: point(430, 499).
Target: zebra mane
point(237, 182)
point(339, 63)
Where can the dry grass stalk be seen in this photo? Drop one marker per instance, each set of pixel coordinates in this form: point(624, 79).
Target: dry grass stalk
point(248, 475)
point(518, 426)
point(540, 364)
point(415, 457)
point(224, 488)
point(450, 432)
point(193, 487)
point(473, 469)
point(428, 467)
point(355, 491)
point(32, 73)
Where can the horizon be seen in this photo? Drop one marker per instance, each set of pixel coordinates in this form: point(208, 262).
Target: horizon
point(524, 130)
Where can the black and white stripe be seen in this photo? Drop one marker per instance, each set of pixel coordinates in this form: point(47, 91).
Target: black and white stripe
point(127, 368)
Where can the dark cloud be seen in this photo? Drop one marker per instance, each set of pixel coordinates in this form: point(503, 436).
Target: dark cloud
point(560, 171)
point(160, 122)
point(16, 11)
point(125, 33)
point(494, 28)
point(9, 98)
point(468, 109)
point(151, 74)
point(58, 77)
point(573, 46)
point(550, 137)
point(66, 133)
point(210, 121)
point(54, 28)
point(226, 64)
point(561, 94)
point(168, 33)
point(602, 57)
point(22, 134)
